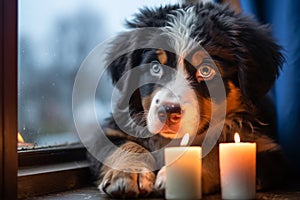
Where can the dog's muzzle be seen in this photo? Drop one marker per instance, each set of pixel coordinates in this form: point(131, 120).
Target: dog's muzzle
point(169, 113)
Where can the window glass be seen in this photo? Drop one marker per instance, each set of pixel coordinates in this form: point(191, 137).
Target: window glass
point(54, 38)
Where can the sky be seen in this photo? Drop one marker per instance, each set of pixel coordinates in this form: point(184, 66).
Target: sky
point(37, 16)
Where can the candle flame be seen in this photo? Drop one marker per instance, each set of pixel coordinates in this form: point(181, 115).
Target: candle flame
point(185, 139)
point(237, 138)
point(20, 138)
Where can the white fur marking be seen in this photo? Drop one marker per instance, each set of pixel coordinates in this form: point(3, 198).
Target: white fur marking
point(180, 27)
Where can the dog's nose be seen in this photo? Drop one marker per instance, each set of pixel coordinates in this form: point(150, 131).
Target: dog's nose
point(170, 113)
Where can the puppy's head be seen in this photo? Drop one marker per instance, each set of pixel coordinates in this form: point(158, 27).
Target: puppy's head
point(174, 69)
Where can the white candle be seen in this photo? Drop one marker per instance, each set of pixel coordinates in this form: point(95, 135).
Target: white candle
point(238, 169)
point(183, 172)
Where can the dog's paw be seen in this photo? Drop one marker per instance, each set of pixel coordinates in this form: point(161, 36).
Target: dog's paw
point(123, 184)
point(160, 182)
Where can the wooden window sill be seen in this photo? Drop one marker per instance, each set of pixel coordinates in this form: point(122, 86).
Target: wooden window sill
point(35, 170)
point(52, 178)
point(52, 170)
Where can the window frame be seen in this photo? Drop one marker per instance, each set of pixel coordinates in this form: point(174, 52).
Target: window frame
point(8, 99)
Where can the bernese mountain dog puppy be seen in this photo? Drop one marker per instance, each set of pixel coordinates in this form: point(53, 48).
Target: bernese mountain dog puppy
point(199, 69)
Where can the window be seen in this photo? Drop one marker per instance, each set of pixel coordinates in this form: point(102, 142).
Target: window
point(54, 39)
point(8, 99)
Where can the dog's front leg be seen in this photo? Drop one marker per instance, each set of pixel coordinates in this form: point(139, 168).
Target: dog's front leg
point(128, 172)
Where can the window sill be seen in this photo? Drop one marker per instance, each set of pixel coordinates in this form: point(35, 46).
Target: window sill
point(55, 170)
point(30, 171)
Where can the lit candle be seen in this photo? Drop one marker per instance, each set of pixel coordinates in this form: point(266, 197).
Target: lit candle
point(238, 169)
point(183, 171)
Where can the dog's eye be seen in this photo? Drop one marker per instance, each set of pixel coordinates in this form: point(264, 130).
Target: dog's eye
point(205, 73)
point(156, 69)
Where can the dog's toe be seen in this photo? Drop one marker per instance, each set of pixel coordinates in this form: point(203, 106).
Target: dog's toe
point(122, 184)
point(103, 185)
point(146, 182)
point(160, 182)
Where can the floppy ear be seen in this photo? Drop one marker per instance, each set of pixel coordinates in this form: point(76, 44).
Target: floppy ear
point(258, 56)
point(124, 54)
